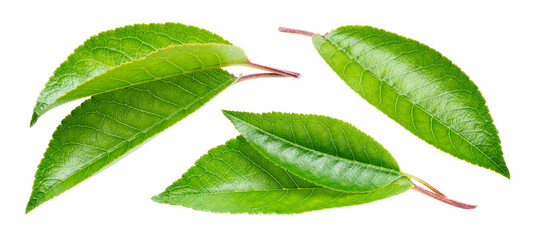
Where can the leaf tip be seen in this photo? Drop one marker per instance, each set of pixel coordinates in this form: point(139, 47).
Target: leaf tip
point(163, 197)
point(236, 117)
point(30, 206)
point(35, 116)
point(499, 168)
point(157, 198)
point(505, 173)
point(228, 113)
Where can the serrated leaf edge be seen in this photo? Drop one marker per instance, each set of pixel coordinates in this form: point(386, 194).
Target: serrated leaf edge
point(229, 115)
point(504, 172)
point(93, 37)
point(157, 198)
point(60, 126)
point(36, 116)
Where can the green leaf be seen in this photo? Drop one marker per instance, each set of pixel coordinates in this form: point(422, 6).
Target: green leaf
point(164, 63)
point(235, 178)
point(122, 57)
point(418, 88)
point(110, 124)
point(322, 150)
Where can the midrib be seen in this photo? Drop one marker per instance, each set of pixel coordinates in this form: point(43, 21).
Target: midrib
point(50, 192)
point(420, 107)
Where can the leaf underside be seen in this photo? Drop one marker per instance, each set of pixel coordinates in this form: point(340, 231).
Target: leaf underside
point(417, 87)
point(235, 178)
point(125, 49)
point(322, 150)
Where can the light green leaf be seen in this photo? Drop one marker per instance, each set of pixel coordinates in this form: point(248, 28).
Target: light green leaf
point(322, 150)
point(235, 178)
point(110, 124)
point(164, 63)
point(418, 88)
point(110, 49)
point(143, 79)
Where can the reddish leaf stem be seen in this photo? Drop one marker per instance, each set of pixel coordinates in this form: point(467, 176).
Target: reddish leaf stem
point(273, 70)
point(297, 31)
point(443, 198)
point(258, 75)
point(434, 193)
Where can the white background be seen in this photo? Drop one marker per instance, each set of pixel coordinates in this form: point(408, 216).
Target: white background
point(491, 41)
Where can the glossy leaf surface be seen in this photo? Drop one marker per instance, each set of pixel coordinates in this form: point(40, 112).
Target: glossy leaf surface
point(418, 88)
point(164, 63)
point(235, 178)
point(108, 125)
point(322, 150)
point(116, 47)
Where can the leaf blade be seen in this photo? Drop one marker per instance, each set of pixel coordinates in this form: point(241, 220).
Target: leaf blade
point(418, 88)
point(322, 150)
point(163, 63)
point(108, 125)
point(250, 183)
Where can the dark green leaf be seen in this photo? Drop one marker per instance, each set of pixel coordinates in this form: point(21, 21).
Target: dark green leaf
point(418, 88)
point(322, 150)
point(235, 178)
